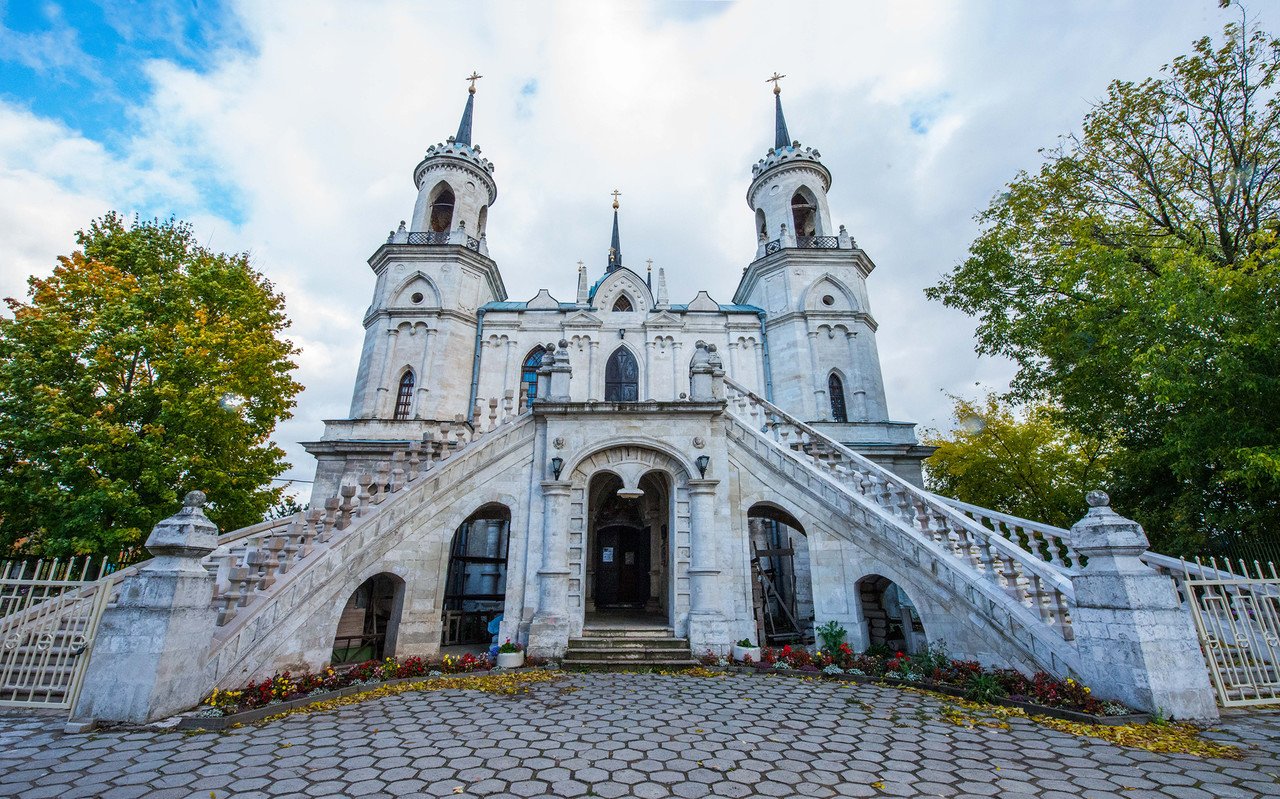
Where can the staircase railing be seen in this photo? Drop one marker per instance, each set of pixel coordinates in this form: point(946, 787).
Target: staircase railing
point(250, 561)
point(1041, 586)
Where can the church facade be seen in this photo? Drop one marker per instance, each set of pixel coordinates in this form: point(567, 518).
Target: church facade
point(617, 473)
point(445, 349)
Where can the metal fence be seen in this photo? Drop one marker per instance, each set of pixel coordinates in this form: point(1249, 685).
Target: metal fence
point(1236, 609)
point(49, 616)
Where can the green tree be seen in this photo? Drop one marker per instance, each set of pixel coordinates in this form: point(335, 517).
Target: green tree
point(144, 367)
point(1027, 464)
point(1134, 280)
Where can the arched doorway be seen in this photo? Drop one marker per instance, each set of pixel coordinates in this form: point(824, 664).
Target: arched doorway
point(476, 587)
point(782, 584)
point(891, 616)
point(367, 626)
point(628, 543)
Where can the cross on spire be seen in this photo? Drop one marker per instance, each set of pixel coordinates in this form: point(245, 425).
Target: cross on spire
point(615, 194)
point(473, 77)
point(774, 80)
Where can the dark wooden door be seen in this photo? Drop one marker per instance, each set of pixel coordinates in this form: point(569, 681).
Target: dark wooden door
point(622, 567)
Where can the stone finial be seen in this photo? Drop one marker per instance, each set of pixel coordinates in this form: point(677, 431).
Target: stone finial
point(662, 301)
point(187, 534)
point(1105, 533)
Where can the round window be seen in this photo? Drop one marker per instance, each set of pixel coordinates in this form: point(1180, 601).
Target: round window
point(827, 299)
point(417, 297)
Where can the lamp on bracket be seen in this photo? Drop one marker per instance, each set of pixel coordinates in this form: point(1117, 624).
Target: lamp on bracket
point(703, 462)
point(557, 464)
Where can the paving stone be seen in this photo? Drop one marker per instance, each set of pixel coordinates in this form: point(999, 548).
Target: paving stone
point(629, 736)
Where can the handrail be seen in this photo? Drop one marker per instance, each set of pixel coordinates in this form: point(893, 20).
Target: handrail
point(1043, 586)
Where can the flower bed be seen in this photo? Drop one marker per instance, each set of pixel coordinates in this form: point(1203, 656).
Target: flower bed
point(933, 669)
point(287, 687)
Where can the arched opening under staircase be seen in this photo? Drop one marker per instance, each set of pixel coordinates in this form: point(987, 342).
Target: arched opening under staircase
point(369, 621)
point(891, 617)
point(781, 581)
point(476, 587)
point(628, 544)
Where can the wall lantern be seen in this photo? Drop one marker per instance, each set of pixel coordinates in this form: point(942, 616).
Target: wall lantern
point(556, 465)
point(703, 462)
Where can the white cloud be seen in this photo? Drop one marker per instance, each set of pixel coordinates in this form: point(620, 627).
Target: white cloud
point(313, 134)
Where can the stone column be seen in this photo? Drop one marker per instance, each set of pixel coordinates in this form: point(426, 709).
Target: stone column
point(648, 370)
point(1137, 642)
point(707, 628)
point(549, 631)
point(593, 391)
point(384, 389)
point(424, 373)
point(821, 410)
point(148, 659)
point(678, 385)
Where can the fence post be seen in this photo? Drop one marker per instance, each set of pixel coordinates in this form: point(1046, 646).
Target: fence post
point(148, 659)
point(1137, 642)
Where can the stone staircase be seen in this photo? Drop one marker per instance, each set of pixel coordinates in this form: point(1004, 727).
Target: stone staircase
point(630, 646)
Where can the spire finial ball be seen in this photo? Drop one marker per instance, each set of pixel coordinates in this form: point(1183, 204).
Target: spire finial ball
point(473, 77)
point(774, 80)
point(615, 194)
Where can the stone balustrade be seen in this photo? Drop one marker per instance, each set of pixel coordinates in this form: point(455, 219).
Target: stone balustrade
point(1050, 544)
point(1041, 586)
point(249, 562)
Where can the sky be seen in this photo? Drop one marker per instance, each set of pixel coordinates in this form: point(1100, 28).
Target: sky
point(289, 130)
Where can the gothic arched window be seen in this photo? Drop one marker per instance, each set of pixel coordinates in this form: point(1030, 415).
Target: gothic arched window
point(442, 209)
point(621, 377)
point(835, 388)
point(804, 212)
point(404, 398)
point(529, 372)
point(623, 303)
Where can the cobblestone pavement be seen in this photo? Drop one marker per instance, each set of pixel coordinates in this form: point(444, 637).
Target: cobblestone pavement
point(628, 735)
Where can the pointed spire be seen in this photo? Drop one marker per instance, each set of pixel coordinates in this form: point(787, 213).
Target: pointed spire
point(615, 246)
point(464, 127)
point(781, 138)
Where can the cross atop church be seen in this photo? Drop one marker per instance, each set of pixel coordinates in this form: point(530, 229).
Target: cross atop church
point(473, 77)
point(616, 194)
point(774, 80)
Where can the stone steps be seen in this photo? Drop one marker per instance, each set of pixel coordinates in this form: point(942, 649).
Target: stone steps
point(626, 647)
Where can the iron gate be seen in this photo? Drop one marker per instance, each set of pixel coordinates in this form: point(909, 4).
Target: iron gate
point(1237, 617)
point(49, 614)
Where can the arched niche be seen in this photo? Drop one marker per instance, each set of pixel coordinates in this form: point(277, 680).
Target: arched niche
point(416, 291)
point(828, 293)
point(370, 621)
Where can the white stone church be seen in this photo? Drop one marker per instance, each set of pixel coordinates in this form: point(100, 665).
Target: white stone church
point(615, 477)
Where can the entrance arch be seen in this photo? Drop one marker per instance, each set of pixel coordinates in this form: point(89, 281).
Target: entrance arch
point(891, 616)
point(369, 621)
point(633, 496)
point(782, 582)
point(476, 587)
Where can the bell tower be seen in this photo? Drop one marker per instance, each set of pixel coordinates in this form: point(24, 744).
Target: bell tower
point(432, 276)
point(809, 277)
